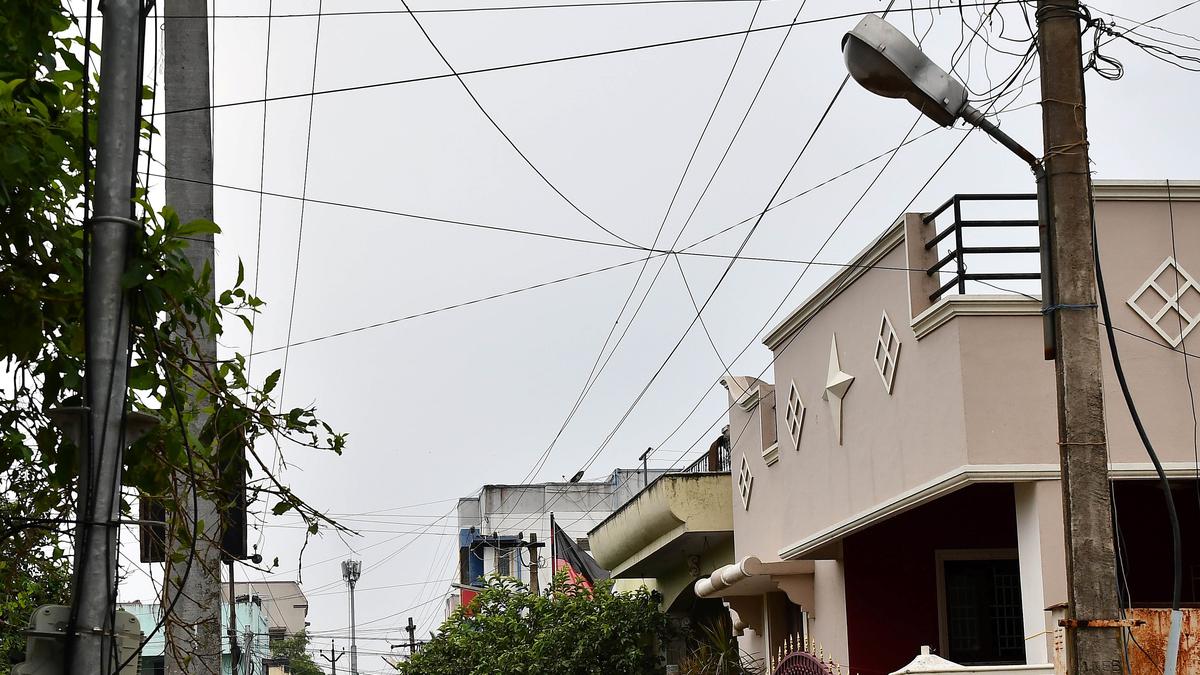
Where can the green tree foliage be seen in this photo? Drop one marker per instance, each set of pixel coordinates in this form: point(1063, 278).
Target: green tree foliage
point(570, 630)
point(294, 652)
point(42, 243)
point(32, 558)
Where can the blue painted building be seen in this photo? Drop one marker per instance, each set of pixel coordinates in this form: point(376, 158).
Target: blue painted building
point(252, 628)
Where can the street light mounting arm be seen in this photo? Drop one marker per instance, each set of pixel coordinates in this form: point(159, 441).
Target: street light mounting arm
point(976, 118)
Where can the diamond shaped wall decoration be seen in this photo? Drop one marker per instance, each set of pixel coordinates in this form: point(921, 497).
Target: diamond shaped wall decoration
point(745, 482)
point(793, 415)
point(887, 352)
point(1169, 300)
point(836, 386)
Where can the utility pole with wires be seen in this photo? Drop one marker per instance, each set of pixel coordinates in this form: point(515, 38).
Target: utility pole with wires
point(887, 63)
point(1087, 508)
point(91, 632)
point(248, 652)
point(193, 634)
point(334, 655)
point(533, 545)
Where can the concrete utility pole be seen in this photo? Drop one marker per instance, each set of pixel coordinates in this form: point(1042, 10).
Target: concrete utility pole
point(246, 654)
point(194, 634)
point(533, 545)
point(90, 646)
point(333, 661)
point(351, 571)
point(1091, 560)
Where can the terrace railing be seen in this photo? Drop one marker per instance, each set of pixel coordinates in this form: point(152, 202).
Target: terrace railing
point(957, 256)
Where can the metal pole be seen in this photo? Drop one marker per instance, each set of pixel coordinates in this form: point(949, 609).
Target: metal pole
point(188, 154)
point(232, 631)
point(353, 642)
point(351, 571)
point(333, 661)
point(1087, 509)
point(412, 637)
point(90, 646)
point(247, 652)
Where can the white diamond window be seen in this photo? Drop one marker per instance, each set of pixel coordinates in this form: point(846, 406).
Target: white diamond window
point(745, 483)
point(887, 352)
point(793, 415)
point(1169, 300)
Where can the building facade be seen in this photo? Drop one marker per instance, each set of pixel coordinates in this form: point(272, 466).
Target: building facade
point(252, 648)
point(495, 524)
point(678, 528)
point(898, 484)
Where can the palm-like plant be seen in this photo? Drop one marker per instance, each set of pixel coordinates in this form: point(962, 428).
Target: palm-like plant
point(718, 653)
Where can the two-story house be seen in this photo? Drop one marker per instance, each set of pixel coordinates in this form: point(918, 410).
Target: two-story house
point(898, 484)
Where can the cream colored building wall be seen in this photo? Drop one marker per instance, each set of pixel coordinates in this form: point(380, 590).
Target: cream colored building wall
point(975, 391)
point(974, 394)
point(920, 423)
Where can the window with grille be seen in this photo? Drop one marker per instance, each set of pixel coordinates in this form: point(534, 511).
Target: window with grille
point(983, 621)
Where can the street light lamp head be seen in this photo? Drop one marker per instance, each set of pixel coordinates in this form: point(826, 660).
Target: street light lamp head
point(885, 62)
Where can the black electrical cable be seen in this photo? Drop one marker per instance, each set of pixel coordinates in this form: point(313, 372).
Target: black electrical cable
point(620, 422)
point(1172, 515)
point(599, 367)
point(465, 10)
point(402, 214)
point(303, 203)
point(556, 59)
point(717, 168)
point(262, 177)
point(520, 153)
point(1187, 371)
point(457, 305)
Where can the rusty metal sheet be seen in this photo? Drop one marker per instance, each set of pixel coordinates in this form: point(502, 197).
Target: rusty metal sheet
point(1148, 648)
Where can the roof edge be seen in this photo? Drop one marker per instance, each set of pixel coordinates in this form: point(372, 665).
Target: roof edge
point(851, 271)
point(1146, 190)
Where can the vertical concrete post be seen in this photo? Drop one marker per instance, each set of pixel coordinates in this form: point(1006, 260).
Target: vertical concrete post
point(194, 632)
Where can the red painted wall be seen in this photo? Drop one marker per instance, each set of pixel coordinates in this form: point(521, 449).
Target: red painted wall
point(891, 580)
point(1146, 532)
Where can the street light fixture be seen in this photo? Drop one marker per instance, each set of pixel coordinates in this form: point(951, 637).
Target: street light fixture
point(885, 62)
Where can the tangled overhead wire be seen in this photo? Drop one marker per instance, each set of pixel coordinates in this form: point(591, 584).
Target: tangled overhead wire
point(1162, 49)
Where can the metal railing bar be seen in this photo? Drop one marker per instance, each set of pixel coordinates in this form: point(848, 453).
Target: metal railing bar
point(945, 287)
point(940, 236)
point(1000, 249)
point(941, 263)
point(997, 276)
point(998, 223)
point(928, 218)
point(1001, 197)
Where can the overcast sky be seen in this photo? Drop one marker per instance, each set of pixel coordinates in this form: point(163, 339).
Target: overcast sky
point(437, 406)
